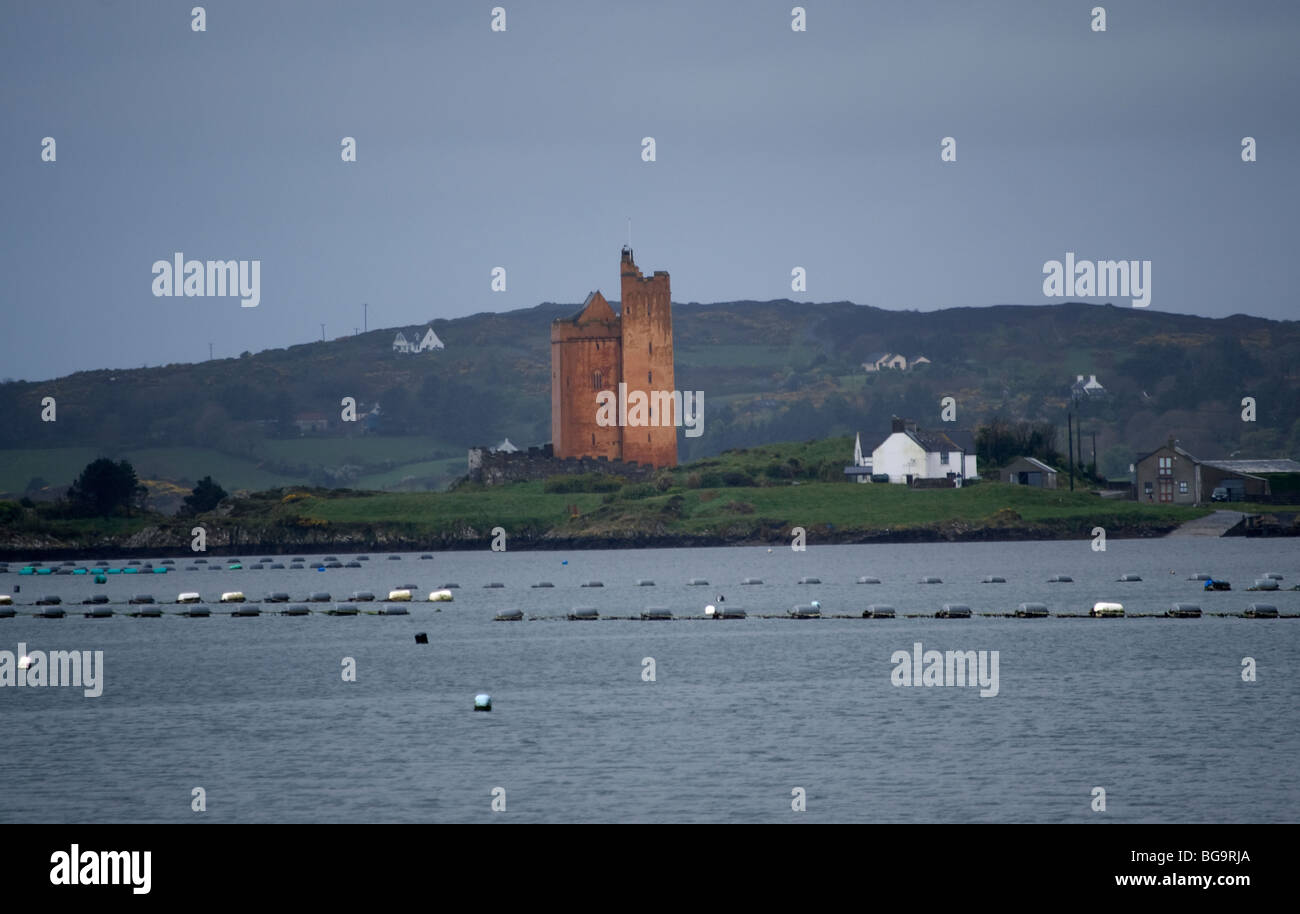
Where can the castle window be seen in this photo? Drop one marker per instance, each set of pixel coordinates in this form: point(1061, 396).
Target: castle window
point(650, 377)
point(652, 347)
point(595, 380)
point(593, 439)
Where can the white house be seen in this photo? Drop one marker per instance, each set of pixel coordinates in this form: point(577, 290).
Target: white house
point(915, 453)
point(878, 361)
point(1088, 389)
point(920, 360)
point(429, 342)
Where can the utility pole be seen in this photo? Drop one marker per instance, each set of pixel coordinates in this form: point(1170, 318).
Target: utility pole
point(322, 333)
point(209, 352)
point(1069, 435)
point(365, 318)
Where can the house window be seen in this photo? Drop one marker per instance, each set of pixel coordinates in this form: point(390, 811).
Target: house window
point(1146, 488)
point(1166, 466)
point(1182, 488)
point(1166, 491)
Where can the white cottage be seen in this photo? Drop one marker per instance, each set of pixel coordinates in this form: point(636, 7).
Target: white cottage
point(911, 453)
point(429, 342)
point(401, 343)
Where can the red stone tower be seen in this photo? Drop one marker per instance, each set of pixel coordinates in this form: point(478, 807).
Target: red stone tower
point(585, 359)
point(594, 351)
point(648, 360)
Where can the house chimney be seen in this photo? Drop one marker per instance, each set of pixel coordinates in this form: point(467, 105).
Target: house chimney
point(898, 425)
point(1080, 377)
point(1171, 442)
point(1092, 379)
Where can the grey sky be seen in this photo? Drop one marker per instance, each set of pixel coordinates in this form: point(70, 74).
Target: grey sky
point(523, 150)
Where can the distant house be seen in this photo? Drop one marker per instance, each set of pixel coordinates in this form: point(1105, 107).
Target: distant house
point(505, 447)
point(311, 422)
point(920, 360)
point(874, 361)
point(1027, 471)
point(1171, 475)
point(429, 342)
point(1087, 390)
point(879, 361)
point(911, 453)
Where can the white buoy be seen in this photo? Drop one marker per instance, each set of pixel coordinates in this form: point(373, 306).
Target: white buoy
point(233, 596)
point(483, 702)
point(440, 596)
point(188, 597)
point(710, 610)
point(401, 596)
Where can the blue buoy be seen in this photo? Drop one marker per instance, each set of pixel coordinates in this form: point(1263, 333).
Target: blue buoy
point(565, 562)
point(483, 702)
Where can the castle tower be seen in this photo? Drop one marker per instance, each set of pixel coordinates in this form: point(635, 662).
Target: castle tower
point(585, 359)
point(647, 325)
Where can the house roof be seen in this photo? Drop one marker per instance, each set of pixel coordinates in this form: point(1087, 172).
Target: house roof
point(1276, 465)
point(933, 442)
point(874, 357)
point(1033, 461)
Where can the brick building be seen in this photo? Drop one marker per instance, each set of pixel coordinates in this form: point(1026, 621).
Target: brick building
point(597, 350)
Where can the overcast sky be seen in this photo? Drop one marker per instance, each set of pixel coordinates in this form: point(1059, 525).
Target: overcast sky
point(523, 149)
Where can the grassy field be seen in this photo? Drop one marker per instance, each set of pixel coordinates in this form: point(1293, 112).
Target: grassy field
point(61, 466)
point(842, 506)
point(418, 456)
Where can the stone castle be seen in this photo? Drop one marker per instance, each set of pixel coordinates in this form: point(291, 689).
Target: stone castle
point(596, 350)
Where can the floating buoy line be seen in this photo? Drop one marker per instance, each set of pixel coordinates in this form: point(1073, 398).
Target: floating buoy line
point(235, 604)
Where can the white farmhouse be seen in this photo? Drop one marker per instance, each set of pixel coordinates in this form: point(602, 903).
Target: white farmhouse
point(429, 342)
point(400, 343)
point(912, 453)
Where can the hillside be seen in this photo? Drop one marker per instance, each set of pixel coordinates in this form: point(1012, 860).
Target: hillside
point(770, 371)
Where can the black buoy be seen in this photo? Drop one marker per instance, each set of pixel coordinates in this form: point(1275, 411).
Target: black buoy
point(421, 638)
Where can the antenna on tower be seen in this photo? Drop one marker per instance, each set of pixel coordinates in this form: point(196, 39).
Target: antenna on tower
point(629, 231)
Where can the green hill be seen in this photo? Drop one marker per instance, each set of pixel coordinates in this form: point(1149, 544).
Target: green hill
point(770, 371)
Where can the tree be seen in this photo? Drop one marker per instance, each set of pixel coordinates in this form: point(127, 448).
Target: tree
point(105, 486)
point(204, 497)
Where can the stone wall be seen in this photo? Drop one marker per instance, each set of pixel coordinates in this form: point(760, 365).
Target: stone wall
point(494, 468)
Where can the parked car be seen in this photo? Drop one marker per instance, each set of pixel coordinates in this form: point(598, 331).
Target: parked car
point(1220, 494)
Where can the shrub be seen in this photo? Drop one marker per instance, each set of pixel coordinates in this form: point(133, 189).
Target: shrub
point(711, 480)
point(708, 496)
point(737, 478)
point(693, 481)
point(664, 482)
point(583, 482)
point(638, 490)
